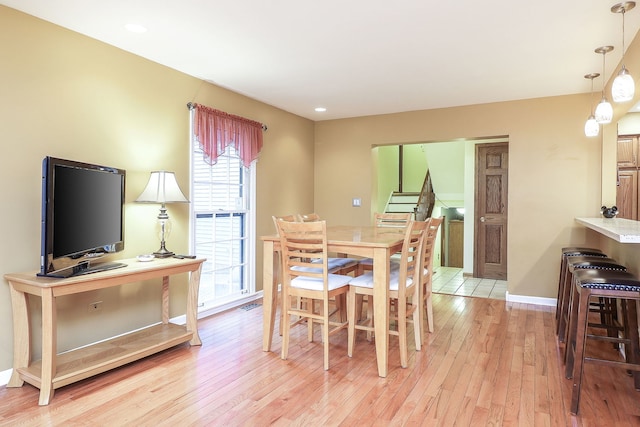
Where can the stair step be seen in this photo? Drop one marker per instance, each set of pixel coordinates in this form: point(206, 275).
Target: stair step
point(404, 199)
point(400, 208)
point(403, 202)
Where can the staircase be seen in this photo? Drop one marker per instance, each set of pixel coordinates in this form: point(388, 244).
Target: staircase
point(402, 202)
point(419, 204)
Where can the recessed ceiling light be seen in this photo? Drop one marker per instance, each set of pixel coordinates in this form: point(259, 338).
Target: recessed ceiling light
point(320, 109)
point(136, 28)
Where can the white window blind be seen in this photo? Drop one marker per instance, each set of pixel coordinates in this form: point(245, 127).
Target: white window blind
point(222, 226)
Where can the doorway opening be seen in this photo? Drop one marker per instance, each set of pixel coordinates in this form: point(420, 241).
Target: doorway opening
point(452, 166)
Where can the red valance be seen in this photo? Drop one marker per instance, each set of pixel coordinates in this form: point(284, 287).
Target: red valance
point(215, 130)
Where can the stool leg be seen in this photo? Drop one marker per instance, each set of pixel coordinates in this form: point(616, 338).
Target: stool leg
point(570, 344)
point(563, 302)
point(581, 340)
point(561, 292)
point(607, 306)
point(631, 330)
point(565, 299)
point(563, 266)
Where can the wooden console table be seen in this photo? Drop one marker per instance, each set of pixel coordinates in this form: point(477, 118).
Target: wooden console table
point(57, 370)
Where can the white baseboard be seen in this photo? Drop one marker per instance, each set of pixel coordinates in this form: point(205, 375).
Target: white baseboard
point(530, 300)
point(4, 377)
point(178, 320)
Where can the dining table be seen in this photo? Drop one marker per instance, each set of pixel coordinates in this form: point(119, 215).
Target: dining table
point(377, 243)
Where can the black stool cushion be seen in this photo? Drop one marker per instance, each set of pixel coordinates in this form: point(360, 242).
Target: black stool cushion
point(576, 251)
point(607, 280)
point(594, 263)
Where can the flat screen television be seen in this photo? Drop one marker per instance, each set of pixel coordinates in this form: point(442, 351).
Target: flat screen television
point(82, 217)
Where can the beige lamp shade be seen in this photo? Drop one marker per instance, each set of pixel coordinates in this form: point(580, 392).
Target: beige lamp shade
point(162, 188)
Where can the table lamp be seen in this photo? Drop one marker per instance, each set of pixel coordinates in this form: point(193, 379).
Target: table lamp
point(162, 188)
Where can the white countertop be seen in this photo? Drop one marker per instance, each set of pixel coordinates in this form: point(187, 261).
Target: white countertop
point(619, 229)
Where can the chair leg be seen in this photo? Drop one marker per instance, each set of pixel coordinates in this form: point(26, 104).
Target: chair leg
point(325, 334)
point(351, 314)
point(417, 332)
point(311, 306)
point(429, 307)
point(417, 316)
point(359, 304)
point(370, 316)
point(285, 325)
point(341, 302)
point(402, 332)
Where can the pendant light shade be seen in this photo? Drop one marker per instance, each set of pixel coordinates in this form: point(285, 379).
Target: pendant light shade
point(604, 110)
point(591, 127)
point(623, 88)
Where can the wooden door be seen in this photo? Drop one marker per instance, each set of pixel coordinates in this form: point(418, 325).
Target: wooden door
point(627, 194)
point(491, 189)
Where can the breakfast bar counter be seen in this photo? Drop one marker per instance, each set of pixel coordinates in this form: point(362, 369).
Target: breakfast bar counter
point(619, 229)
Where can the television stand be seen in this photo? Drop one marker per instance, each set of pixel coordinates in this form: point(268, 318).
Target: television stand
point(96, 268)
point(57, 370)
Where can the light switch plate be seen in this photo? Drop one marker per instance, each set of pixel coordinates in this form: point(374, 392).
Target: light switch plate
point(356, 202)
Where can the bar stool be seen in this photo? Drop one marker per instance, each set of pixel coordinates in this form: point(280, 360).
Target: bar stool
point(615, 285)
point(579, 263)
point(566, 253)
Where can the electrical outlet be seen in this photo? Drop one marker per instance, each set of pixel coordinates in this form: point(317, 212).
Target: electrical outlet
point(95, 307)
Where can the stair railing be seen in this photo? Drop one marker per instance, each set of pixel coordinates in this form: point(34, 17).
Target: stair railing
point(426, 200)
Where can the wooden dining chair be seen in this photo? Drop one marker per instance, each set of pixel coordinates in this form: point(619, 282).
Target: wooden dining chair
point(404, 292)
point(381, 220)
point(338, 264)
point(428, 251)
point(278, 272)
point(384, 220)
point(306, 275)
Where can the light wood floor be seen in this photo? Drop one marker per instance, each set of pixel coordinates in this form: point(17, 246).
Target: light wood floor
point(487, 363)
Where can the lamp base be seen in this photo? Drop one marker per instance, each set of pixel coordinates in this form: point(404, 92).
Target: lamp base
point(163, 253)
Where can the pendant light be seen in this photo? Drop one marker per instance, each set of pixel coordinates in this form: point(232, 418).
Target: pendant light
point(604, 110)
point(591, 127)
point(623, 88)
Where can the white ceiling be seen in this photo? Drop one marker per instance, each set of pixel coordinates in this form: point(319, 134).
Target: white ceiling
point(363, 57)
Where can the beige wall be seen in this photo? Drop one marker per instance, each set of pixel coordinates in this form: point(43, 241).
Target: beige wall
point(387, 177)
point(70, 96)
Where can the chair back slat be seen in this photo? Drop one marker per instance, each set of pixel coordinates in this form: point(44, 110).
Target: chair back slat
point(287, 218)
point(411, 255)
point(429, 243)
point(303, 247)
point(390, 219)
point(310, 217)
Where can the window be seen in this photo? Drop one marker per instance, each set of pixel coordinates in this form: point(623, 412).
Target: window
point(223, 224)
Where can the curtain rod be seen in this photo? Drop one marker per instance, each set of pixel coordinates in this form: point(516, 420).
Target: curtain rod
point(191, 106)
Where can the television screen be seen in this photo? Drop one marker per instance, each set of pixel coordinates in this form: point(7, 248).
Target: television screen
point(82, 216)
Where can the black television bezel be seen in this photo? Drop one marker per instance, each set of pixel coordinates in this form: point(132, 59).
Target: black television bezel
point(80, 262)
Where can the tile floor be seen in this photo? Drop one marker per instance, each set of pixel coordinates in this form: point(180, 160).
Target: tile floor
point(450, 280)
